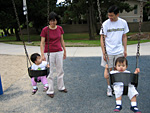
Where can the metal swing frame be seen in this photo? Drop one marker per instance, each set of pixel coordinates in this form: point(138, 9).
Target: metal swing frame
point(126, 78)
point(33, 73)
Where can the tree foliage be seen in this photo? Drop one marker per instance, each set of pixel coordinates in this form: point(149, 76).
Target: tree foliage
point(8, 18)
point(146, 12)
point(78, 11)
point(37, 11)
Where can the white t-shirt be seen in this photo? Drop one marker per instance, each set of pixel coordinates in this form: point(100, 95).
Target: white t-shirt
point(114, 71)
point(42, 66)
point(114, 32)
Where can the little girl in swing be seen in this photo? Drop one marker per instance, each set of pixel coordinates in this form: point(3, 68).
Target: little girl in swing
point(38, 64)
point(121, 65)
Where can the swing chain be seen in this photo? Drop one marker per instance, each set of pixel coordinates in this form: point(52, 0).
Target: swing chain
point(99, 10)
point(47, 12)
point(100, 17)
point(139, 36)
point(18, 22)
point(48, 53)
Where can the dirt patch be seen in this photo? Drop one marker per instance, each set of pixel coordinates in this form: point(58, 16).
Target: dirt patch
point(143, 36)
point(12, 68)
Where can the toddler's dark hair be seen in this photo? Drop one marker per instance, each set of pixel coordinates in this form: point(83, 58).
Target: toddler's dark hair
point(121, 60)
point(34, 57)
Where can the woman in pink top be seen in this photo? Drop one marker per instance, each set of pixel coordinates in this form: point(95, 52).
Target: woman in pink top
point(54, 34)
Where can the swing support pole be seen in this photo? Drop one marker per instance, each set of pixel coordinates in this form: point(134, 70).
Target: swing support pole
point(27, 21)
point(1, 88)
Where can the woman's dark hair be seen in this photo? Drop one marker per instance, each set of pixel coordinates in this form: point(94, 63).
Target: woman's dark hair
point(34, 57)
point(53, 16)
point(113, 9)
point(121, 60)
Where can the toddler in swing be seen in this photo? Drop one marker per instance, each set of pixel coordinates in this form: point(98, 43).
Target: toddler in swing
point(38, 64)
point(121, 65)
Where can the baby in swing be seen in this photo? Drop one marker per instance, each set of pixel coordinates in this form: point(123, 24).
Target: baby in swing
point(38, 64)
point(121, 65)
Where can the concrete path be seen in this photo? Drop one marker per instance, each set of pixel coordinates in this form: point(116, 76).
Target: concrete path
point(84, 81)
point(72, 51)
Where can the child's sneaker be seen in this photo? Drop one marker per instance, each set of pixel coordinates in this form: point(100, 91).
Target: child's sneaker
point(117, 108)
point(135, 109)
point(45, 89)
point(109, 92)
point(34, 91)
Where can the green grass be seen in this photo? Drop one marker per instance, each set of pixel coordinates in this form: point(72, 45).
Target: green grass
point(76, 36)
point(71, 40)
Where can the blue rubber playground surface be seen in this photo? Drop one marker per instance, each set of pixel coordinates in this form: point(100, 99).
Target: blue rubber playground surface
point(86, 90)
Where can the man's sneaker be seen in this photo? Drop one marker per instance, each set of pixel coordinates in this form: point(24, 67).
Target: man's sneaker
point(34, 91)
point(117, 108)
point(109, 92)
point(135, 109)
point(45, 89)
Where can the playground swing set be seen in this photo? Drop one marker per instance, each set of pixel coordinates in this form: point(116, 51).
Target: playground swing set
point(34, 73)
point(126, 78)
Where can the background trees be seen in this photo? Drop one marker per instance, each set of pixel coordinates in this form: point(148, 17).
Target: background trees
point(7, 17)
point(75, 12)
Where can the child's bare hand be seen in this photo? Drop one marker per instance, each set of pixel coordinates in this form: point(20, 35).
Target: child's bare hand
point(137, 70)
point(48, 65)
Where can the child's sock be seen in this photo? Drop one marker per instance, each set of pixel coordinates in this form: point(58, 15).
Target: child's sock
point(34, 87)
point(109, 87)
point(133, 103)
point(46, 85)
point(118, 102)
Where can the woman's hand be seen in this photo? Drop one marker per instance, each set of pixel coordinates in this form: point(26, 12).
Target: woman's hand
point(64, 56)
point(43, 58)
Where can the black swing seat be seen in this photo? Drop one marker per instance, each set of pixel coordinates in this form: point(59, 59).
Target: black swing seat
point(37, 73)
point(125, 78)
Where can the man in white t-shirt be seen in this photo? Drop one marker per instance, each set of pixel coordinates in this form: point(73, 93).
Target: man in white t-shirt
point(114, 31)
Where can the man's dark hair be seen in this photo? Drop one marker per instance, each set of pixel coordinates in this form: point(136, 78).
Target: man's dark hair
point(121, 60)
point(34, 57)
point(53, 16)
point(113, 9)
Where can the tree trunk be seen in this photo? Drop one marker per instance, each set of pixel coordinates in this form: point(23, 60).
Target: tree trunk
point(91, 22)
point(37, 30)
point(11, 31)
point(8, 32)
point(5, 32)
point(95, 24)
point(17, 35)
